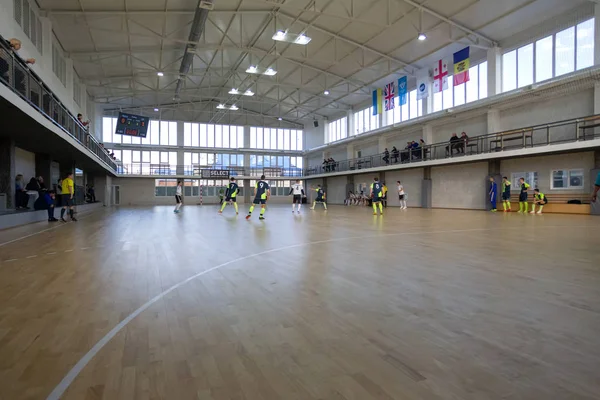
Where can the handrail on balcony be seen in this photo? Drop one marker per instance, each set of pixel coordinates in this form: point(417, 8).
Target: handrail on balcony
point(16, 75)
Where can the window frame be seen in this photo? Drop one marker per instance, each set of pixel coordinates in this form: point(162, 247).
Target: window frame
point(568, 172)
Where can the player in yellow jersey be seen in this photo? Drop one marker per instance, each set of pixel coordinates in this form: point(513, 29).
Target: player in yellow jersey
point(68, 197)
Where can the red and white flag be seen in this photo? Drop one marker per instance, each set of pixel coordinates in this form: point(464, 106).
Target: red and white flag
point(440, 75)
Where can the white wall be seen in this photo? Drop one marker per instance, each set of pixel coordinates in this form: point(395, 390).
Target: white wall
point(412, 180)
point(25, 163)
point(545, 164)
point(475, 126)
point(336, 189)
point(314, 137)
point(43, 65)
point(367, 149)
point(460, 186)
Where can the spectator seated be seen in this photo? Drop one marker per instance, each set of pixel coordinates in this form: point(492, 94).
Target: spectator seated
point(561, 203)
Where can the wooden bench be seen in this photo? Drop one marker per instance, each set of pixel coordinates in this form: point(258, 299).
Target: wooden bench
point(518, 134)
point(558, 203)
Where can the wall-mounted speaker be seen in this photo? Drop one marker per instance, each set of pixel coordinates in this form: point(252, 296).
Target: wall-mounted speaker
point(316, 123)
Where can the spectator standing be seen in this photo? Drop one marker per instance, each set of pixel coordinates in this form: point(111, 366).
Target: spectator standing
point(386, 156)
point(395, 154)
point(68, 200)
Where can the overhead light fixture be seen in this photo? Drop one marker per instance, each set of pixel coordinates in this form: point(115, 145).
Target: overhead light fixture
point(221, 107)
point(248, 93)
point(234, 91)
point(224, 107)
point(285, 36)
point(280, 119)
point(253, 69)
point(159, 73)
point(326, 92)
point(234, 108)
point(422, 37)
point(156, 110)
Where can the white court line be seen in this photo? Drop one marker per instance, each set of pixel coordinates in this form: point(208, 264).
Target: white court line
point(60, 389)
point(43, 230)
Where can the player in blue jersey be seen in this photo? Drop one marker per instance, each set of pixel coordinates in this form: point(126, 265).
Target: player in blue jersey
point(377, 195)
point(262, 192)
point(320, 198)
point(231, 196)
point(493, 193)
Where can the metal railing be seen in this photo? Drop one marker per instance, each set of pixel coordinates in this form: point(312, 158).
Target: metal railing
point(573, 130)
point(148, 169)
point(16, 75)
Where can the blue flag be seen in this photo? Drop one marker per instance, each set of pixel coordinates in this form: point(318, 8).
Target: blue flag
point(402, 90)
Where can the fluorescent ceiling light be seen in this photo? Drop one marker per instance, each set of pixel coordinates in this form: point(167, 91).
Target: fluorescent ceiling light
point(421, 37)
point(280, 119)
point(159, 73)
point(252, 69)
point(285, 36)
point(234, 91)
point(156, 110)
point(248, 93)
point(233, 108)
point(221, 107)
point(270, 72)
point(326, 92)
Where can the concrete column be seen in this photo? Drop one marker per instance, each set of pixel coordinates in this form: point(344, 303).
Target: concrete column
point(493, 121)
point(47, 35)
point(43, 168)
point(494, 60)
point(246, 141)
point(69, 85)
point(180, 150)
point(427, 134)
point(426, 188)
point(7, 172)
point(351, 127)
point(350, 151)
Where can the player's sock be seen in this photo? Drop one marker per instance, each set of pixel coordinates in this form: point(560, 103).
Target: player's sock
point(381, 208)
point(540, 211)
point(525, 206)
point(313, 206)
point(62, 213)
point(71, 213)
point(293, 207)
point(299, 207)
point(520, 206)
point(325, 205)
point(504, 205)
point(374, 208)
point(262, 212)
point(236, 207)
point(223, 206)
point(251, 209)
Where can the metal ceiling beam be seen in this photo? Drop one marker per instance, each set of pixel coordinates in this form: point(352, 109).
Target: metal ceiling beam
point(449, 21)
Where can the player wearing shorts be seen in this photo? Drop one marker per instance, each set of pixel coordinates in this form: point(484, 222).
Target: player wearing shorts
point(262, 192)
point(539, 199)
point(401, 195)
point(178, 197)
point(523, 205)
point(493, 193)
point(298, 191)
point(506, 194)
point(320, 197)
point(67, 195)
point(376, 195)
point(231, 196)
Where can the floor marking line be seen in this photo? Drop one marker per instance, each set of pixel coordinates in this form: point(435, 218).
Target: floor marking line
point(64, 384)
point(87, 214)
point(12, 259)
point(34, 256)
point(68, 251)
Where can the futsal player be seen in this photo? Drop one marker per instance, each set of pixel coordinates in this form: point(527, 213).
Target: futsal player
point(376, 195)
point(384, 197)
point(262, 192)
point(523, 205)
point(68, 194)
point(493, 193)
point(506, 194)
point(298, 191)
point(539, 199)
point(231, 196)
point(401, 195)
point(320, 198)
point(178, 197)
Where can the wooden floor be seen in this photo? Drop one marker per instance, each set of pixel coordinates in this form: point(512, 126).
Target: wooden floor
point(418, 304)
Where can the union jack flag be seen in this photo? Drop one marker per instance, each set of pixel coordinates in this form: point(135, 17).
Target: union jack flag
point(389, 92)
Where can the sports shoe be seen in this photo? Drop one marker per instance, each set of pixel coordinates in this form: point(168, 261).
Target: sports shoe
point(237, 213)
point(539, 212)
point(261, 217)
point(220, 212)
point(63, 220)
point(298, 212)
point(374, 213)
point(73, 219)
point(494, 210)
point(248, 216)
point(531, 212)
point(312, 208)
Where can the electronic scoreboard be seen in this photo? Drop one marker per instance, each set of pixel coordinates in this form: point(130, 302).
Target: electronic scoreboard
point(132, 125)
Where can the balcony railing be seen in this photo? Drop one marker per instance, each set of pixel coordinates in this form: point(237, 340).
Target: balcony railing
point(567, 131)
point(15, 74)
point(148, 169)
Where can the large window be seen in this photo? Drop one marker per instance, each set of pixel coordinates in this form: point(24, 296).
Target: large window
point(275, 139)
point(473, 90)
point(160, 133)
point(412, 109)
point(287, 162)
point(531, 178)
point(165, 187)
point(337, 130)
point(221, 136)
point(365, 121)
point(27, 18)
point(211, 160)
point(566, 51)
point(567, 179)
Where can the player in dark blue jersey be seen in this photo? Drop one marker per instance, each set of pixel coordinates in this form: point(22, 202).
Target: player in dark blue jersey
point(377, 195)
point(231, 196)
point(262, 192)
point(320, 197)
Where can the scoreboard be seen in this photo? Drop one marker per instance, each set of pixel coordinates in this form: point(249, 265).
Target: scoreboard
point(132, 125)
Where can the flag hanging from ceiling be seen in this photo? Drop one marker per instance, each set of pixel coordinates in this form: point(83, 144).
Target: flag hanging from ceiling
point(423, 82)
point(462, 63)
point(402, 90)
point(377, 101)
point(440, 76)
point(389, 93)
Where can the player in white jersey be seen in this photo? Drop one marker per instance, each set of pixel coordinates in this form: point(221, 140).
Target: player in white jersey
point(178, 197)
point(298, 191)
point(401, 195)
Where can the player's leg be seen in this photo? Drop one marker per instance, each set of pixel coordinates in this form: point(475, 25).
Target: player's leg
point(324, 205)
point(374, 207)
point(381, 207)
point(541, 208)
point(72, 212)
point(223, 205)
point(525, 206)
point(250, 211)
point(493, 201)
point(235, 205)
point(299, 205)
point(314, 204)
point(263, 208)
point(532, 208)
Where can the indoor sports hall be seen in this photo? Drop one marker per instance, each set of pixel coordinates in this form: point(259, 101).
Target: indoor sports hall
point(299, 199)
